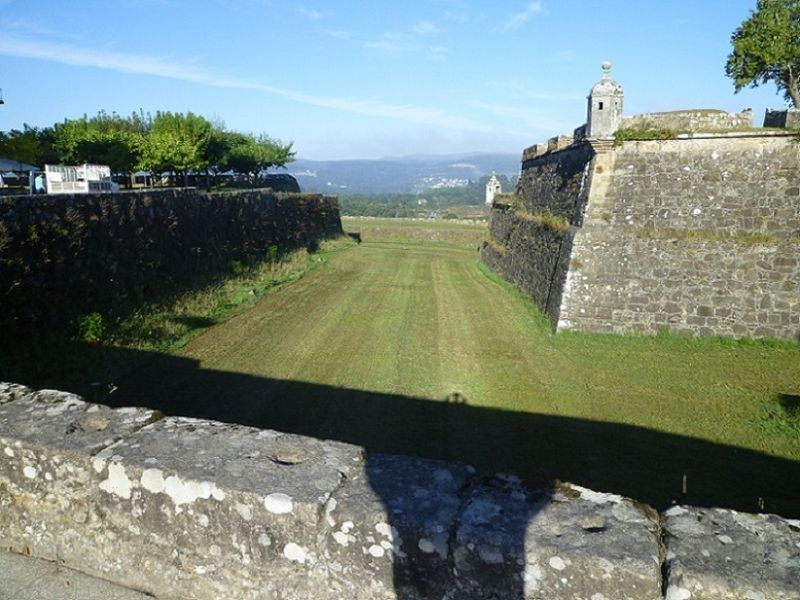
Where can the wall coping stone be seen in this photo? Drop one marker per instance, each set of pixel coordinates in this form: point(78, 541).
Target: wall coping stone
point(180, 507)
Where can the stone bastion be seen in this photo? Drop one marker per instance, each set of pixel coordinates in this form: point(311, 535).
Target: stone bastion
point(187, 508)
point(696, 235)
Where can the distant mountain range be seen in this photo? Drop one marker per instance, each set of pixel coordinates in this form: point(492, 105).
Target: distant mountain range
point(400, 175)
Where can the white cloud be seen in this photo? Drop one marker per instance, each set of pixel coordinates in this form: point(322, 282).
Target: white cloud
point(396, 43)
point(339, 34)
point(392, 42)
point(312, 14)
point(515, 21)
point(532, 119)
point(194, 72)
point(426, 28)
point(25, 25)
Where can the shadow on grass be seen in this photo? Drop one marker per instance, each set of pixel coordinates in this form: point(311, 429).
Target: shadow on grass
point(790, 404)
point(644, 464)
point(649, 466)
point(195, 322)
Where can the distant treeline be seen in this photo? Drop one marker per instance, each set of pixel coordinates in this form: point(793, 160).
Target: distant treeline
point(172, 143)
point(417, 205)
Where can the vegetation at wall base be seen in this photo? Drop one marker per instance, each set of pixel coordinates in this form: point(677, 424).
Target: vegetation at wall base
point(494, 245)
point(642, 134)
point(546, 219)
point(161, 326)
point(701, 235)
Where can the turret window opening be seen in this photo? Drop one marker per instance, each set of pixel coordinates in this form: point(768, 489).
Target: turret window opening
point(600, 106)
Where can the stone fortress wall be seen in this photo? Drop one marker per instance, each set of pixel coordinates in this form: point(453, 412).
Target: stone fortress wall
point(690, 120)
point(783, 119)
point(66, 255)
point(188, 508)
point(694, 235)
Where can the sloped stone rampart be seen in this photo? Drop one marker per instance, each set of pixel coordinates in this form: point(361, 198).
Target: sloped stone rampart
point(533, 256)
point(63, 256)
point(697, 236)
point(187, 508)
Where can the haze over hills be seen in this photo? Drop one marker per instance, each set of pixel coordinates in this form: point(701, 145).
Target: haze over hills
point(401, 175)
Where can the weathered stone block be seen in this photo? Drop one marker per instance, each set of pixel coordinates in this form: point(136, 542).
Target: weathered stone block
point(717, 554)
point(212, 505)
point(391, 528)
point(47, 440)
point(563, 543)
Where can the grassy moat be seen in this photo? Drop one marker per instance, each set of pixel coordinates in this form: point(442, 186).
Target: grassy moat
point(406, 344)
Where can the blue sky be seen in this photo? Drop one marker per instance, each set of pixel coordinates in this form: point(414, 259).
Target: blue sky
point(368, 79)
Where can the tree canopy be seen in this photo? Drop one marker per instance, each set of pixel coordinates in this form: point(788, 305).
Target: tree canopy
point(176, 142)
point(107, 139)
point(170, 142)
point(766, 47)
point(30, 145)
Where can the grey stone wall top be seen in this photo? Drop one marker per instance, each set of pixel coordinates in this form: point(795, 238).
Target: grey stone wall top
point(189, 508)
point(296, 469)
point(714, 553)
point(64, 421)
point(691, 120)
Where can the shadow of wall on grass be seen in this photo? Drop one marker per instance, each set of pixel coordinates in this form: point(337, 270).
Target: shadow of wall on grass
point(650, 466)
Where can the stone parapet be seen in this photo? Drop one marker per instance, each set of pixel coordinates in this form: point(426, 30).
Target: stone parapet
point(187, 508)
point(690, 120)
point(559, 142)
point(783, 119)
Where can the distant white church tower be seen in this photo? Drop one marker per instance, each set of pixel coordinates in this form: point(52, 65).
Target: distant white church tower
point(493, 188)
point(604, 110)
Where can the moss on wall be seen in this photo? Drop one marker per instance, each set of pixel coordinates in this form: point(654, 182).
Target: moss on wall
point(63, 256)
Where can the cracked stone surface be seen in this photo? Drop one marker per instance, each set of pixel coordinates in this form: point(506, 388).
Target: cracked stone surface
point(719, 554)
point(27, 578)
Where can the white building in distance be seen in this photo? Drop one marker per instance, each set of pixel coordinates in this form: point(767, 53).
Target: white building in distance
point(493, 187)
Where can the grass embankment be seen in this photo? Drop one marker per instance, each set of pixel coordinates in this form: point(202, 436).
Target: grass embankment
point(170, 324)
point(463, 234)
point(405, 344)
point(103, 349)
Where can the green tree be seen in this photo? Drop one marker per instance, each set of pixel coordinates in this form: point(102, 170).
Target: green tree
point(216, 150)
point(177, 143)
point(276, 153)
point(242, 154)
point(766, 47)
point(22, 146)
point(106, 139)
point(250, 155)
